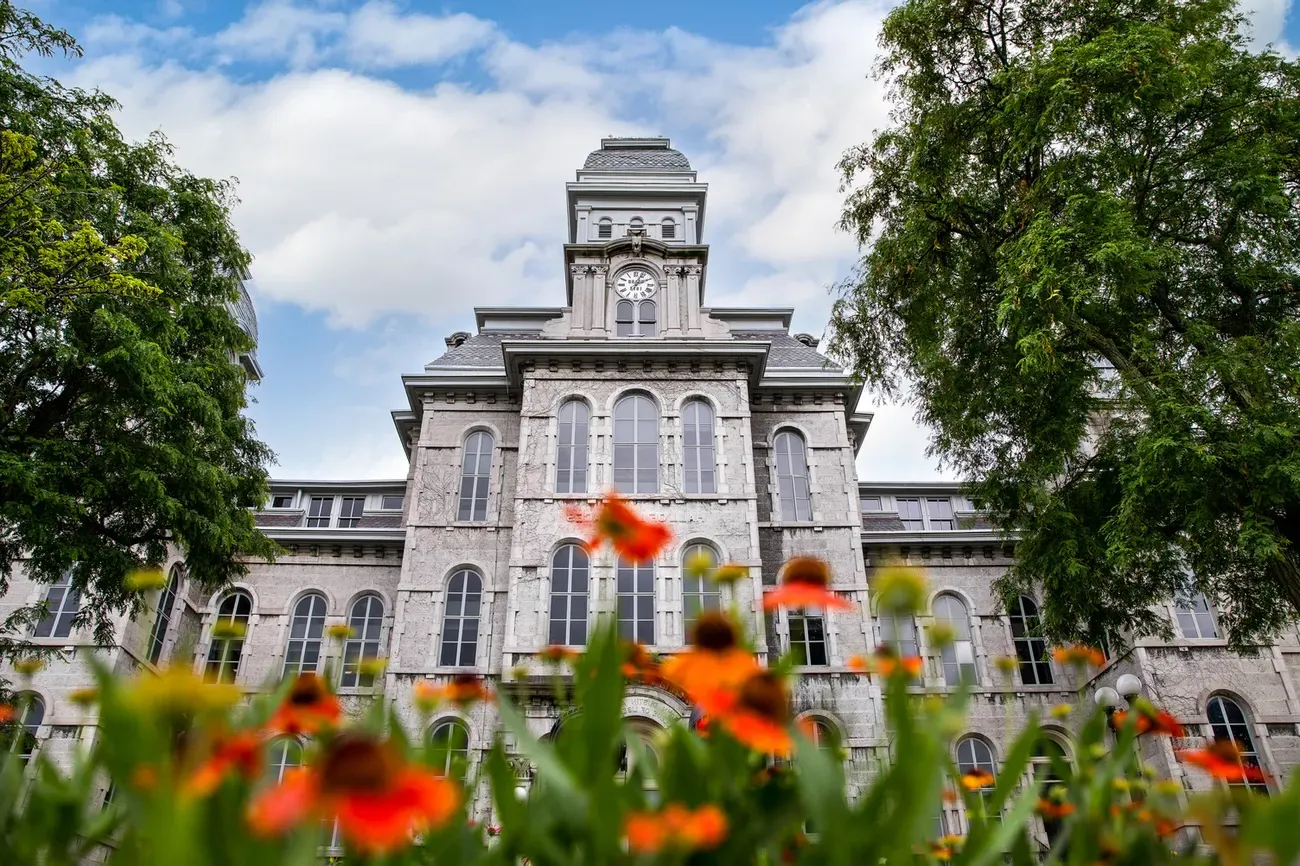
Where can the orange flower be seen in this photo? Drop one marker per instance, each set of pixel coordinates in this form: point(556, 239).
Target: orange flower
point(631, 535)
point(887, 664)
point(715, 661)
point(1150, 719)
point(463, 690)
point(639, 666)
point(361, 782)
point(806, 583)
point(1222, 760)
point(677, 827)
point(977, 779)
point(309, 707)
point(7, 713)
point(1079, 655)
point(1053, 810)
point(241, 752)
point(556, 654)
point(757, 714)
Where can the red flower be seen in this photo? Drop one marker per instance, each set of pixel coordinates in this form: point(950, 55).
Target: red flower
point(977, 779)
point(308, 708)
point(463, 690)
point(361, 782)
point(805, 583)
point(7, 714)
point(715, 661)
point(757, 714)
point(1080, 655)
point(240, 752)
point(677, 827)
point(555, 654)
point(632, 536)
point(1150, 720)
point(886, 663)
point(1222, 759)
point(1054, 811)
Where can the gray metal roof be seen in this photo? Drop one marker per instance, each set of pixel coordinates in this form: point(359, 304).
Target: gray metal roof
point(484, 350)
point(636, 159)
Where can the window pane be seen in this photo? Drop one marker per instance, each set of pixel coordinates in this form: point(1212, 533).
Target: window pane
point(460, 619)
point(306, 628)
point(568, 609)
point(792, 477)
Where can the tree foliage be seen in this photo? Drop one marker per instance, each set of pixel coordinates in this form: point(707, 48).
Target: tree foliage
point(121, 400)
point(1081, 239)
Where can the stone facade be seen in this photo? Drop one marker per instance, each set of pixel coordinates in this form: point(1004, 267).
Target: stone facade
point(455, 568)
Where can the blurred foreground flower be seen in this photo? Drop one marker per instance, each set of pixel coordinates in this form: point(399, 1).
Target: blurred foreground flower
point(1079, 655)
point(462, 690)
point(714, 661)
point(177, 691)
point(805, 582)
point(633, 537)
point(308, 708)
point(7, 714)
point(730, 572)
point(675, 827)
point(1223, 760)
point(377, 799)
point(977, 779)
point(145, 579)
point(239, 752)
point(757, 714)
point(1149, 719)
point(29, 666)
point(886, 663)
point(900, 590)
point(556, 654)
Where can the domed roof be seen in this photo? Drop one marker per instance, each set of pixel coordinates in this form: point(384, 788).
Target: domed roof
point(635, 154)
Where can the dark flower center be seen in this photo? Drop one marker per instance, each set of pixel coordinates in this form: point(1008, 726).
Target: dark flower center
point(807, 570)
point(307, 690)
point(765, 694)
point(358, 764)
point(714, 632)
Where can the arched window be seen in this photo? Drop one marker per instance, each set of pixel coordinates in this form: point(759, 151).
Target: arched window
point(635, 319)
point(819, 732)
point(697, 445)
point(1047, 764)
point(33, 716)
point(636, 224)
point(475, 473)
point(698, 592)
point(637, 756)
point(365, 621)
point(604, 228)
point(668, 229)
point(636, 445)
point(636, 600)
point(808, 637)
point(224, 652)
point(163, 618)
point(1195, 617)
point(975, 754)
point(62, 601)
point(1228, 722)
point(460, 619)
point(958, 656)
point(899, 634)
point(284, 753)
point(1031, 649)
point(306, 627)
point(449, 746)
point(571, 448)
point(792, 476)
point(570, 579)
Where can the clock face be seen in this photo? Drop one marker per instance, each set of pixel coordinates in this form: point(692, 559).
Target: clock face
point(635, 284)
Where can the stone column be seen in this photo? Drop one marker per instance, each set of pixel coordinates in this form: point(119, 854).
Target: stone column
point(692, 292)
point(581, 305)
point(599, 299)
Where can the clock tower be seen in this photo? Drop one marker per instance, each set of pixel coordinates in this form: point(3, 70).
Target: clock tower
point(635, 262)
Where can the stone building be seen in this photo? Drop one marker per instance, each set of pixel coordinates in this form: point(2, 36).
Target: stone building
point(719, 420)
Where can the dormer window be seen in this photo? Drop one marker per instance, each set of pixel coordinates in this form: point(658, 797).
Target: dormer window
point(669, 230)
point(633, 319)
point(605, 228)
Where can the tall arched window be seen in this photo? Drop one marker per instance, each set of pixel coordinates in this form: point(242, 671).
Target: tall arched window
point(792, 476)
point(460, 619)
point(636, 319)
point(1228, 722)
point(975, 754)
point(898, 632)
point(1047, 763)
point(958, 656)
point(636, 445)
point(163, 618)
point(636, 600)
point(306, 628)
point(1195, 617)
point(365, 621)
point(668, 229)
point(62, 601)
point(697, 445)
point(604, 228)
point(570, 580)
point(33, 716)
point(449, 747)
point(284, 754)
point(224, 652)
point(475, 473)
point(698, 592)
point(1031, 649)
point(820, 732)
point(571, 448)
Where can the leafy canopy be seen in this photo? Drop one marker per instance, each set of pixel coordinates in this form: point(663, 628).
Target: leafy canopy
point(1081, 241)
point(121, 400)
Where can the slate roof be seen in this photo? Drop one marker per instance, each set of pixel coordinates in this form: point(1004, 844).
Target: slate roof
point(484, 350)
point(636, 159)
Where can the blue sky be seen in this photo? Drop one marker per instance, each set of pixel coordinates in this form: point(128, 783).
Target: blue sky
point(402, 162)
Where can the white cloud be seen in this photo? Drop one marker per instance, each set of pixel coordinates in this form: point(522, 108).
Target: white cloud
point(1265, 20)
point(380, 37)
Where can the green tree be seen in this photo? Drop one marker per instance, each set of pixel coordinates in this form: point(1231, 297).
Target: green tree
point(1081, 237)
point(121, 399)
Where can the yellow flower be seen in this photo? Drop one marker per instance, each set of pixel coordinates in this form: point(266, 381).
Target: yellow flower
point(730, 573)
point(372, 667)
point(1006, 664)
point(229, 629)
point(1167, 788)
point(1060, 711)
point(178, 691)
point(699, 565)
point(900, 590)
point(339, 631)
point(144, 579)
point(84, 697)
point(29, 666)
point(941, 634)
point(1119, 784)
